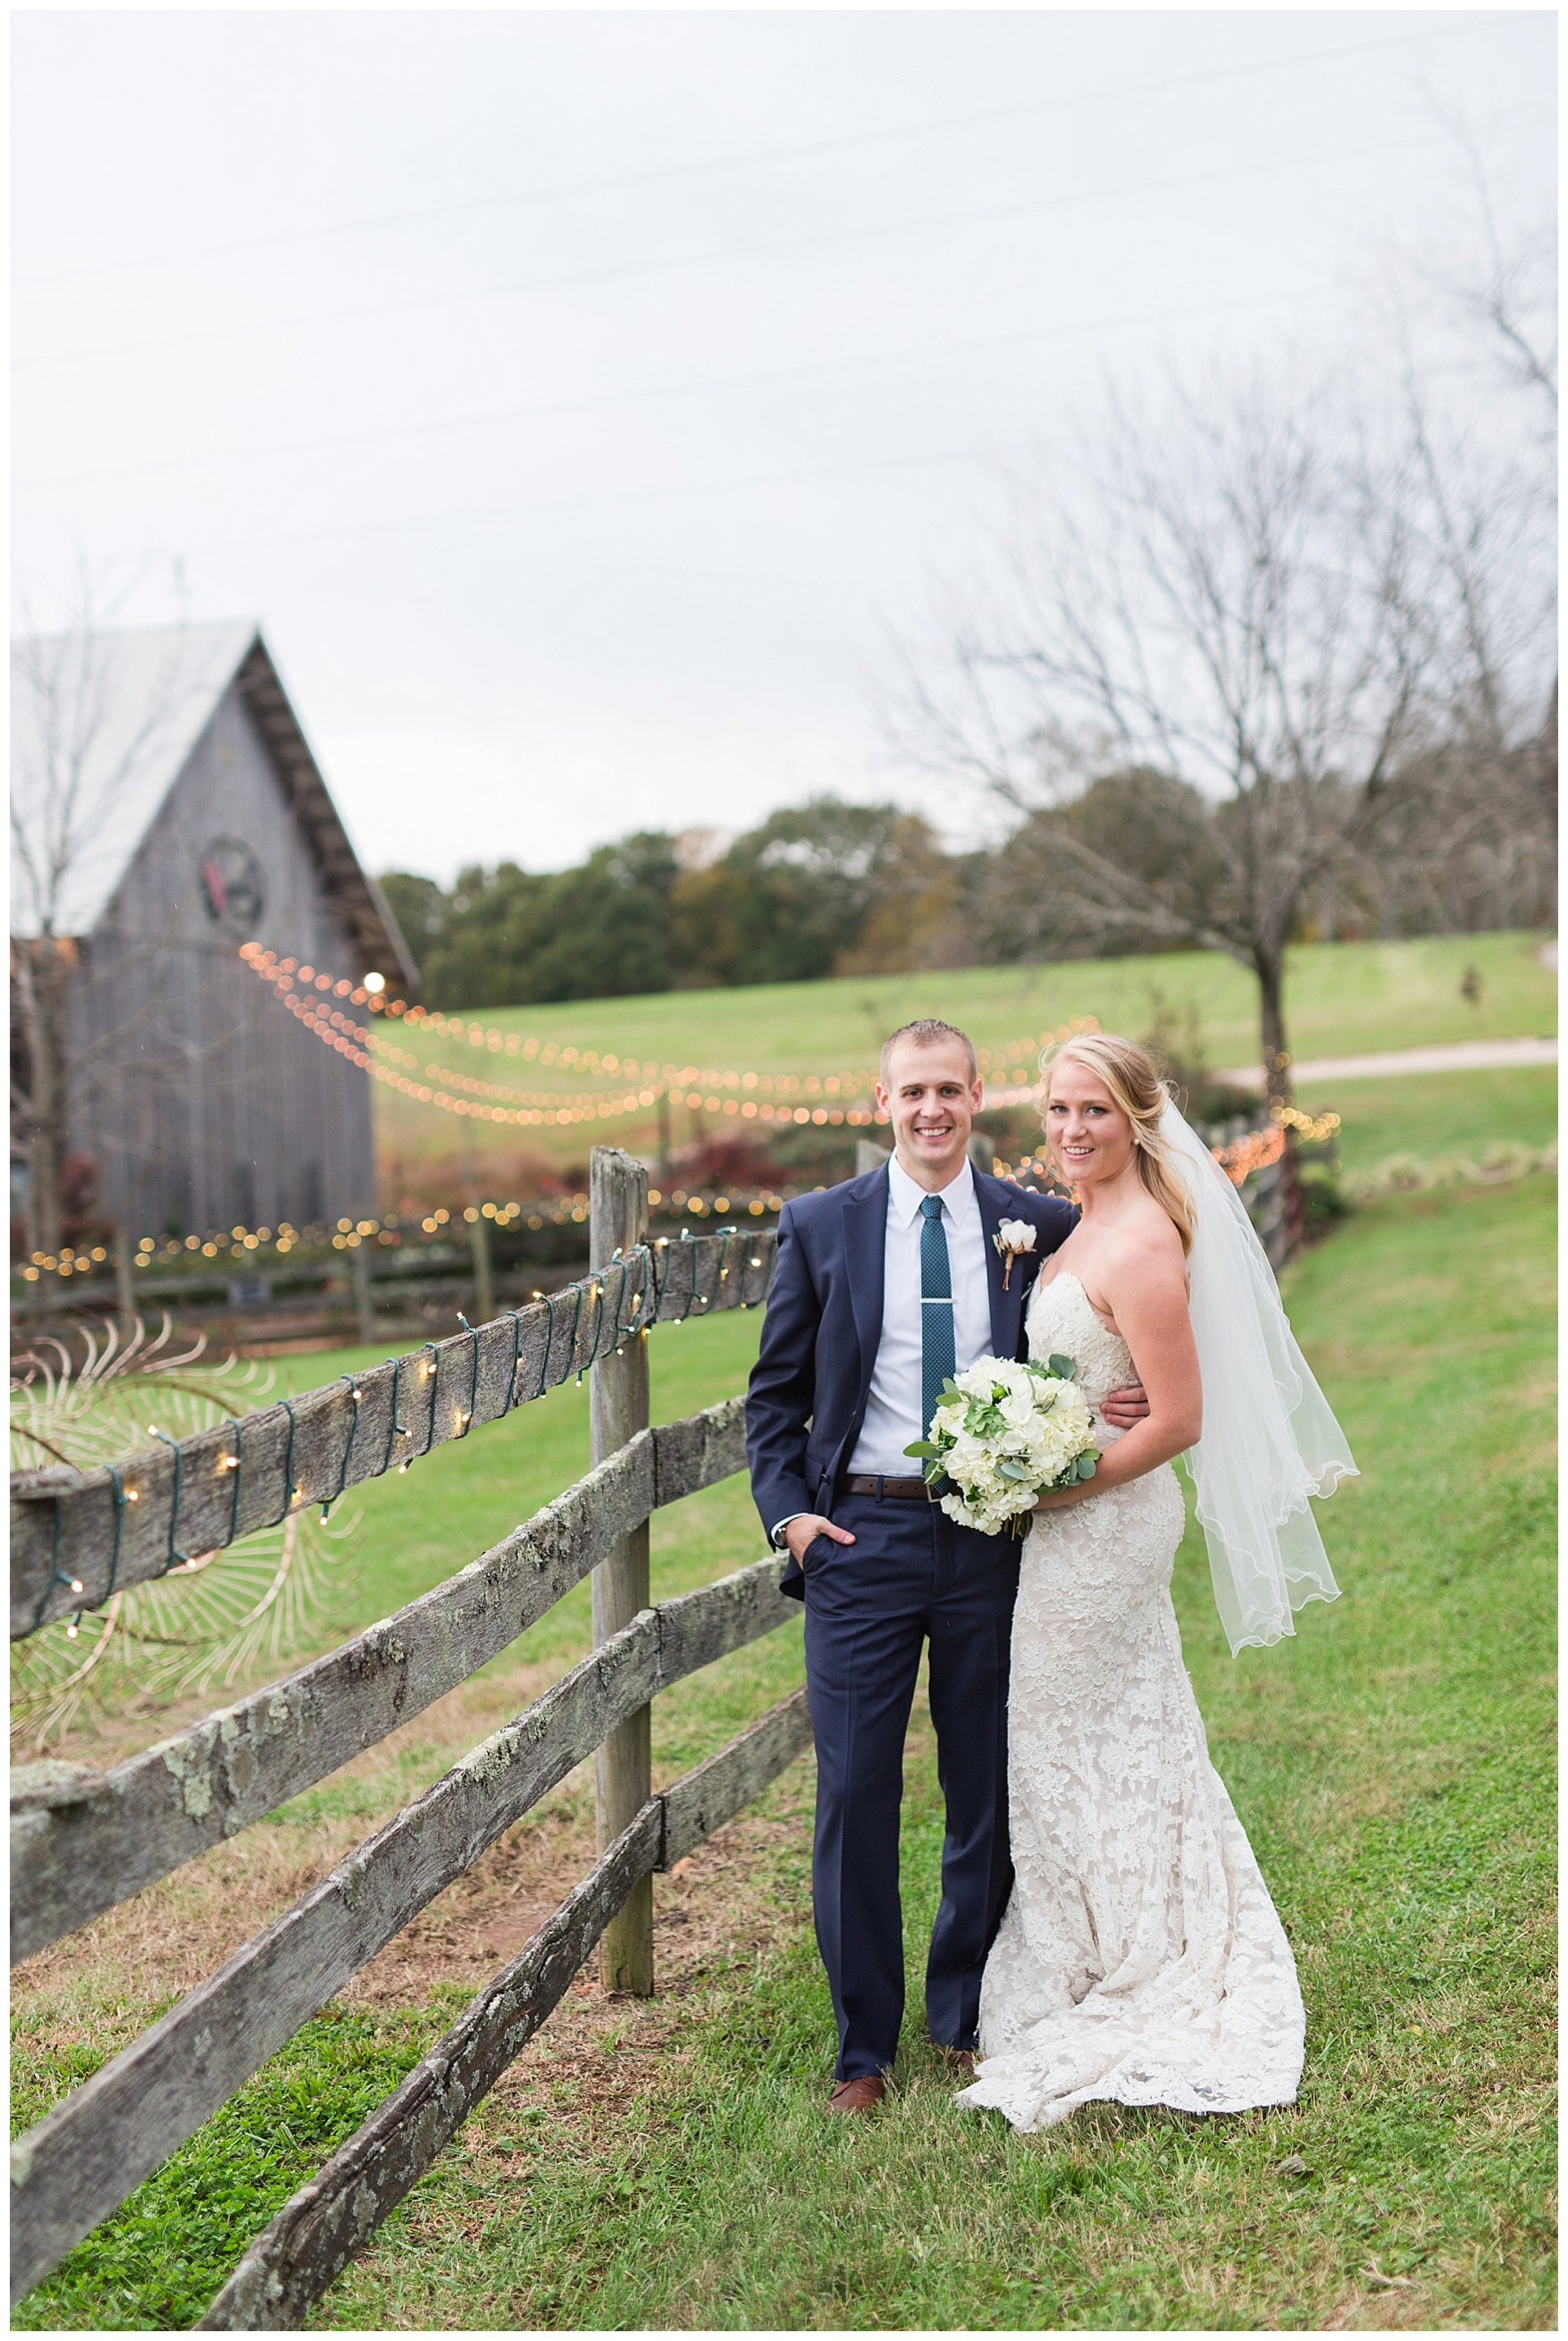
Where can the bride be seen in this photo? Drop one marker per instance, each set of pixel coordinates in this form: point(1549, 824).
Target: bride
point(1140, 1958)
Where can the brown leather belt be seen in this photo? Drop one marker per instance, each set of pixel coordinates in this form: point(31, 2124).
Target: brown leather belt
point(908, 1491)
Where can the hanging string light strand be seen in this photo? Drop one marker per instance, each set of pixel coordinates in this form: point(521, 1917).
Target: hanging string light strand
point(833, 1099)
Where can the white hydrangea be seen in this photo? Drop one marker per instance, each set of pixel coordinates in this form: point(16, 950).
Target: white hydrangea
point(1004, 1434)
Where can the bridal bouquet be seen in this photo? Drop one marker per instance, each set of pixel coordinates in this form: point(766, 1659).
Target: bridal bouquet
point(1002, 1435)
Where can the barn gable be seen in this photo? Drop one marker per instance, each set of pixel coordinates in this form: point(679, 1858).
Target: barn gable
point(202, 822)
point(114, 722)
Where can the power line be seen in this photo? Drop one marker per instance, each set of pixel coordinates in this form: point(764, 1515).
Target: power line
point(934, 125)
point(493, 418)
point(251, 329)
point(782, 478)
point(494, 513)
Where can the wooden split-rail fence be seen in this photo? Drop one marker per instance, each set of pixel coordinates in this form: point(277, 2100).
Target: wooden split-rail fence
point(82, 1841)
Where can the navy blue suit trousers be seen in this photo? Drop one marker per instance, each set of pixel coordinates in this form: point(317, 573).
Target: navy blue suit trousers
point(911, 1576)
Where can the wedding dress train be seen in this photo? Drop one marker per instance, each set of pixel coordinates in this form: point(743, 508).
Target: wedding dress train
point(1140, 1958)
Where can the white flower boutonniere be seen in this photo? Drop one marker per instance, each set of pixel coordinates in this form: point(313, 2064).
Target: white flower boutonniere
point(1013, 1237)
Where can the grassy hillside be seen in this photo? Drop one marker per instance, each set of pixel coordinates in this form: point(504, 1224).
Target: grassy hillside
point(1341, 998)
point(669, 2165)
point(1430, 1114)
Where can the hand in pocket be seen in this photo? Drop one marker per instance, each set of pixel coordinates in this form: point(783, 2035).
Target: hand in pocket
point(808, 1529)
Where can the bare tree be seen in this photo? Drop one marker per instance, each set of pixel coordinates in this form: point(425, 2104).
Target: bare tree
point(1488, 318)
point(1499, 301)
point(1239, 597)
point(1266, 611)
point(76, 749)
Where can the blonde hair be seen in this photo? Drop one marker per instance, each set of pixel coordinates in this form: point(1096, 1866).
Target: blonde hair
point(1128, 1073)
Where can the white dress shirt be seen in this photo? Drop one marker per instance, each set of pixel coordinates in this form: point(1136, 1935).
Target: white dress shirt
point(893, 1407)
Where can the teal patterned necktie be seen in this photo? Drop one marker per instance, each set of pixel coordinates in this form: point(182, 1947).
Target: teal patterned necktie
point(938, 1356)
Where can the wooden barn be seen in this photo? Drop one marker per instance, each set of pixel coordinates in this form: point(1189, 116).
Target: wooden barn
point(165, 809)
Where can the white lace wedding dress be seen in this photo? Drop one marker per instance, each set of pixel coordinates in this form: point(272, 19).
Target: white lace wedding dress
point(1140, 1958)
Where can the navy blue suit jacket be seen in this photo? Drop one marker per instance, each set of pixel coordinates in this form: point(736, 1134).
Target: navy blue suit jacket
point(806, 1398)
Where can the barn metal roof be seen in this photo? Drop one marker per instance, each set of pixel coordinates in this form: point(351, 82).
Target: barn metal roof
point(101, 727)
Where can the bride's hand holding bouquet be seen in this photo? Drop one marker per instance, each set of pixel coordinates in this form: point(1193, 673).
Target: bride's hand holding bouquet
point(1005, 1435)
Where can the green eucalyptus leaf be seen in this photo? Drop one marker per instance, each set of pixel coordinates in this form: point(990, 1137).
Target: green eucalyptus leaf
point(921, 1447)
point(1064, 1369)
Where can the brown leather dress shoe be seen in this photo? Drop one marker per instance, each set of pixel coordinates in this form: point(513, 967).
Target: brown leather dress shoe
point(862, 2096)
point(960, 2061)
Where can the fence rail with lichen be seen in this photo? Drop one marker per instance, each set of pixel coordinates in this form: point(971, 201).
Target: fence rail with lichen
point(75, 1536)
point(85, 1842)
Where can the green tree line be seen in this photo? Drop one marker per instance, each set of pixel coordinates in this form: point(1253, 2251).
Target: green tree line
point(818, 889)
point(829, 888)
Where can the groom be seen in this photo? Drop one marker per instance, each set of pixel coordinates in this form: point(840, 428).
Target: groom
point(884, 1287)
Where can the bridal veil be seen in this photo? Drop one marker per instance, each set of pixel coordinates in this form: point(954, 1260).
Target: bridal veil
point(1270, 1442)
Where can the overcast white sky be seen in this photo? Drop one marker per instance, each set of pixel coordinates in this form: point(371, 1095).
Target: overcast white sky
point(578, 398)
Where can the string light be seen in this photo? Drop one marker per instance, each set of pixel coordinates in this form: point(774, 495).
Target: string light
point(779, 1099)
point(1315, 1127)
point(396, 1231)
point(68, 1261)
point(833, 1100)
point(1254, 1150)
point(1024, 1088)
point(299, 981)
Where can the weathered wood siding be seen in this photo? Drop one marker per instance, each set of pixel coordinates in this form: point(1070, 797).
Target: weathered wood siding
point(216, 1108)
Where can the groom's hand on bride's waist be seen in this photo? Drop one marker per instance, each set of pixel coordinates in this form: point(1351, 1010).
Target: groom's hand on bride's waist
point(1124, 1408)
point(806, 1527)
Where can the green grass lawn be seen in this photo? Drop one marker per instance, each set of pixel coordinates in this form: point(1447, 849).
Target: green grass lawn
point(675, 2169)
point(1341, 999)
point(1436, 1114)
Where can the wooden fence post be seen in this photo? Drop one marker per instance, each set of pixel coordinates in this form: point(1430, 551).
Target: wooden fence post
point(483, 1282)
point(618, 1411)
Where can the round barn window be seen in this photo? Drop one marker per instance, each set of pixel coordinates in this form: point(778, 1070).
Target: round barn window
point(232, 884)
